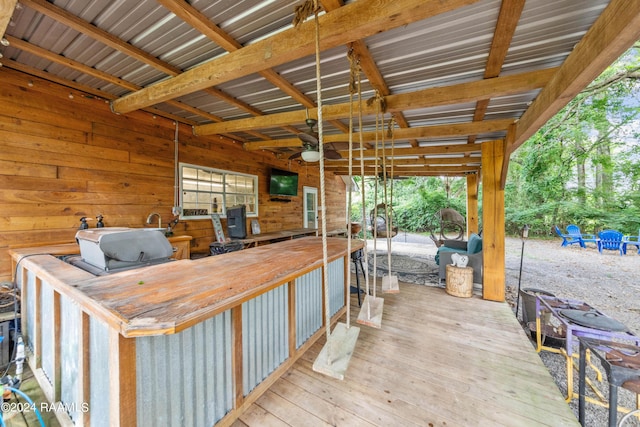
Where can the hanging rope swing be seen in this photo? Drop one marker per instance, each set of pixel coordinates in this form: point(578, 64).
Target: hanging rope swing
point(334, 357)
point(389, 282)
point(371, 311)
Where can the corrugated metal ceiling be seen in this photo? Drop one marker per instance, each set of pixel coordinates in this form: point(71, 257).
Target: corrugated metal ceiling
point(447, 49)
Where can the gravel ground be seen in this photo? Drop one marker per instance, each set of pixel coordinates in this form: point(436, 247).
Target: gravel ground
point(608, 282)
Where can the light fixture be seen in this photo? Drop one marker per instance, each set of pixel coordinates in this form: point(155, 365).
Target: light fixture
point(310, 155)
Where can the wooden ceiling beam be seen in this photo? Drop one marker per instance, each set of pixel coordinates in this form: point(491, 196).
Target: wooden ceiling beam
point(431, 97)
point(435, 161)
point(58, 14)
point(615, 30)
point(437, 131)
point(510, 11)
point(412, 171)
point(368, 66)
point(423, 151)
point(365, 18)
point(200, 22)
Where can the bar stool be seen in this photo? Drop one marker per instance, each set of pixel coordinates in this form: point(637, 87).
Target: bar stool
point(356, 257)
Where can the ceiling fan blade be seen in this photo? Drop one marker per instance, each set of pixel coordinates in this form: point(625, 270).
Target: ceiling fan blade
point(295, 155)
point(331, 154)
point(342, 145)
point(308, 138)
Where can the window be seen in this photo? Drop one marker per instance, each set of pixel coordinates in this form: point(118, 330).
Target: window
point(205, 191)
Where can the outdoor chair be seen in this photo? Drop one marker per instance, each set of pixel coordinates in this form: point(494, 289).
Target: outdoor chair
point(610, 240)
point(567, 239)
point(380, 222)
point(630, 241)
point(574, 230)
point(472, 248)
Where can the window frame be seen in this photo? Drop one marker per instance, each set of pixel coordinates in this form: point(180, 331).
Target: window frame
point(225, 174)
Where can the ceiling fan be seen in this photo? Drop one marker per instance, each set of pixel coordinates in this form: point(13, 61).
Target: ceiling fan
point(311, 144)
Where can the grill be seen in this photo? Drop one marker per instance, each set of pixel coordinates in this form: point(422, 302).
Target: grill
point(113, 249)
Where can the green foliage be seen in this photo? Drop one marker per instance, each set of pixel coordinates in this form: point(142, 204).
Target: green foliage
point(415, 212)
point(581, 166)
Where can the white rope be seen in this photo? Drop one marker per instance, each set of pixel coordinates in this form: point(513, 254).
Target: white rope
point(375, 201)
point(323, 211)
point(349, 206)
point(389, 203)
point(365, 254)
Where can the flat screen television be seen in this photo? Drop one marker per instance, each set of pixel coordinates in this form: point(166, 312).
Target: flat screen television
point(237, 222)
point(283, 183)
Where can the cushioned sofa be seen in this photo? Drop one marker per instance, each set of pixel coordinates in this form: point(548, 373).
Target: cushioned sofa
point(472, 248)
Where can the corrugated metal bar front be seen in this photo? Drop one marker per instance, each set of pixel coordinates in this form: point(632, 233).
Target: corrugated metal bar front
point(185, 379)
point(308, 305)
point(30, 307)
point(336, 285)
point(265, 336)
point(70, 325)
point(99, 374)
point(48, 336)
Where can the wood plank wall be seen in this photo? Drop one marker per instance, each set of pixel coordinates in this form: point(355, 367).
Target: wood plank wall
point(65, 155)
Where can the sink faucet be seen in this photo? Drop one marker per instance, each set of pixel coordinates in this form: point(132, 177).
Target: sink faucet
point(151, 216)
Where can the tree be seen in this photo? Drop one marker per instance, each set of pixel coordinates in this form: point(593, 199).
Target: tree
point(577, 167)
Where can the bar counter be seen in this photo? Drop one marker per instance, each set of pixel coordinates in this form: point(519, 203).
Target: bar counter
point(211, 333)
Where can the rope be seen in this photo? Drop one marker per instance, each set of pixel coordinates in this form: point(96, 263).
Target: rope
point(362, 190)
point(351, 91)
point(325, 256)
point(389, 201)
point(379, 105)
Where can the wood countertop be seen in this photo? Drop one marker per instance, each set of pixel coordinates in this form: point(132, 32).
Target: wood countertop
point(171, 297)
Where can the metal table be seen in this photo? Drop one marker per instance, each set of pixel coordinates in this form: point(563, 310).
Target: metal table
point(578, 319)
point(622, 366)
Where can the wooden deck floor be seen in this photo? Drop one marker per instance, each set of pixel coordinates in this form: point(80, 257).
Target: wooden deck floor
point(438, 360)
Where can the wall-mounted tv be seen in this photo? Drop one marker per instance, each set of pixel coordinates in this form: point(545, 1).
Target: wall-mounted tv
point(283, 183)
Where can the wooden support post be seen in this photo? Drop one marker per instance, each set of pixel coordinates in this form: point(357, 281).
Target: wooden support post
point(84, 367)
point(472, 204)
point(493, 222)
point(236, 326)
point(122, 378)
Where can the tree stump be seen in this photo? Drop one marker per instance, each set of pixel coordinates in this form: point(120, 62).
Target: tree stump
point(459, 281)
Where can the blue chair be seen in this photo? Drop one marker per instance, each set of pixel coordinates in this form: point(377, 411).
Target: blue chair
point(630, 241)
point(574, 230)
point(567, 239)
point(610, 240)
